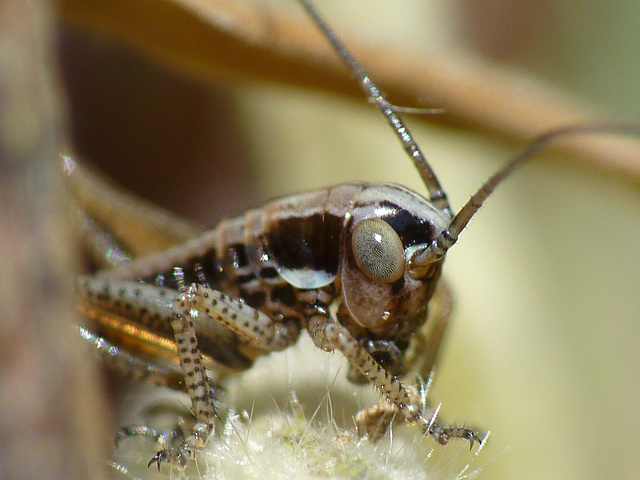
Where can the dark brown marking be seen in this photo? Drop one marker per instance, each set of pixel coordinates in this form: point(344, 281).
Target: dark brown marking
point(284, 294)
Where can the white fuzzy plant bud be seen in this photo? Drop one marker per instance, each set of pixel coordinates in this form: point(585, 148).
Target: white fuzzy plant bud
point(292, 418)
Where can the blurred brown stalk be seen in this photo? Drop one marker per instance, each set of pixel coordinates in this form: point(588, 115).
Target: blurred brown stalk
point(231, 41)
point(51, 409)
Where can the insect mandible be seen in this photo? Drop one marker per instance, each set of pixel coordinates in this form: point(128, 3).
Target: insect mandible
point(222, 298)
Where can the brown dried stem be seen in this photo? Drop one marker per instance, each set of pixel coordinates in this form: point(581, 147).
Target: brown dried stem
point(231, 40)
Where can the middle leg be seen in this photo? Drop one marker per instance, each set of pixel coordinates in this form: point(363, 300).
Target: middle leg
point(406, 402)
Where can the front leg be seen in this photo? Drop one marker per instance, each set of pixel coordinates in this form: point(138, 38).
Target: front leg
point(253, 328)
point(330, 336)
point(197, 384)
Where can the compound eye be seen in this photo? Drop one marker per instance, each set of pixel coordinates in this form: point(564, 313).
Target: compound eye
point(378, 250)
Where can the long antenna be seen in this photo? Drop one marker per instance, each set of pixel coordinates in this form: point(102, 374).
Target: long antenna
point(436, 194)
point(422, 258)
